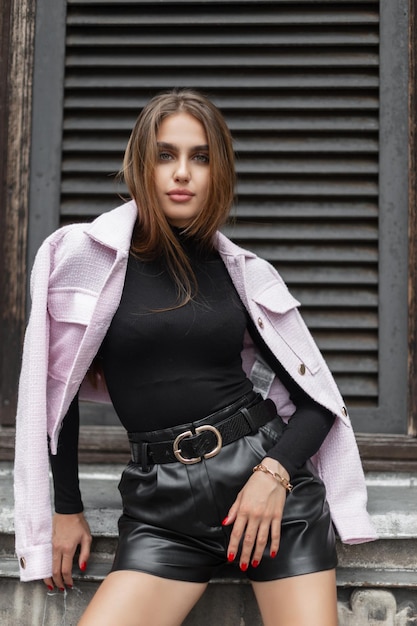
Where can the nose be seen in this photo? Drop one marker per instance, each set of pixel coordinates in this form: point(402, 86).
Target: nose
point(182, 172)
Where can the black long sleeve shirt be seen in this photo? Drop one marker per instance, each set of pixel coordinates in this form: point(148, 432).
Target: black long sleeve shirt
point(166, 366)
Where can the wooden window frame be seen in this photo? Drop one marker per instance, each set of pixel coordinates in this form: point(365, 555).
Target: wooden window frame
point(17, 32)
point(399, 452)
point(108, 443)
point(412, 238)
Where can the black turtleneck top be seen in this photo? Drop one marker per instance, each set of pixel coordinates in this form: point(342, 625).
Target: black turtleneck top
point(166, 366)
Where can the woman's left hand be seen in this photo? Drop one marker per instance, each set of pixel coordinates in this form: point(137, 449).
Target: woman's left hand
point(256, 516)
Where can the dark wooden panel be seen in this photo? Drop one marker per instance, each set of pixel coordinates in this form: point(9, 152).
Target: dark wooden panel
point(109, 445)
point(388, 453)
point(17, 32)
point(412, 239)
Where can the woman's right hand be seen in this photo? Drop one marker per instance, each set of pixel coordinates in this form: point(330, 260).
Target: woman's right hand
point(68, 532)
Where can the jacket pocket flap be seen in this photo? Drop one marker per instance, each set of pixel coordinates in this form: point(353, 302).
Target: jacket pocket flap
point(71, 306)
point(276, 298)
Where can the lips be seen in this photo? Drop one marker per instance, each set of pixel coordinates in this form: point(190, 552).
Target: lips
point(180, 195)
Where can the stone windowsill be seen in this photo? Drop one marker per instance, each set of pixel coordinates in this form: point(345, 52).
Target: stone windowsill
point(386, 562)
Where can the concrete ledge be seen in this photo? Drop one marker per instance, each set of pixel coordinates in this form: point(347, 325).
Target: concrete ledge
point(389, 562)
point(392, 499)
point(377, 581)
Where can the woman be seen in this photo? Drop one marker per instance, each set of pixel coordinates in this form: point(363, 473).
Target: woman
point(199, 344)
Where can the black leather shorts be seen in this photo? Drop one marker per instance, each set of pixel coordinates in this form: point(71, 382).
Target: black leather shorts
point(171, 524)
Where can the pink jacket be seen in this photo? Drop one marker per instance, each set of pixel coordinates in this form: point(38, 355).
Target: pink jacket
point(76, 284)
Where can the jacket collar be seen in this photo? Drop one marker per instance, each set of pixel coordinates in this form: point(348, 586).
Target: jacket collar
point(114, 228)
point(227, 248)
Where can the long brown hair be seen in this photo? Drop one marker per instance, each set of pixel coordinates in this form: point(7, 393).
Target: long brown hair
point(152, 235)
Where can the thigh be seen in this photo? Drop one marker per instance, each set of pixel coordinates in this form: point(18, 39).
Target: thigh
point(130, 598)
point(307, 600)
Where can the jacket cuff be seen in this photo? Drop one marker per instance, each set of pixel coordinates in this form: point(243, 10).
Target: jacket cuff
point(348, 524)
point(35, 563)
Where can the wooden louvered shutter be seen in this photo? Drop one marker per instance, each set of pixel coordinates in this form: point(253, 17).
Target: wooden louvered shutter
point(298, 82)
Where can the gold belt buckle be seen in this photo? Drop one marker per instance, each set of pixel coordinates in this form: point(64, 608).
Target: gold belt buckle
point(189, 433)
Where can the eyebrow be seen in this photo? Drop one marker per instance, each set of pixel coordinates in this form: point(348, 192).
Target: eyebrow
point(170, 146)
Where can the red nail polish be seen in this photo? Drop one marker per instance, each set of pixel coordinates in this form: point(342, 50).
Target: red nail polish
point(244, 567)
point(50, 588)
point(224, 522)
point(255, 563)
point(83, 566)
point(230, 557)
point(273, 554)
point(61, 589)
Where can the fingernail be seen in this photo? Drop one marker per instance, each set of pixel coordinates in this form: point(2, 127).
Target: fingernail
point(83, 566)
point(69, 586)
point(62, 589)
point(273, 554)
point(224, 522)
point(230, 557)
point(255, 563)
point(244, 567)
point(50, 588)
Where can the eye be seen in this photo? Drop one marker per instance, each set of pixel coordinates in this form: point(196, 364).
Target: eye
point(202, 157)
point(164, 156)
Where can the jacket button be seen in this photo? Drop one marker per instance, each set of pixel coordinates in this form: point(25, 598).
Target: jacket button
point(22, 562)
point(260, 322)
point(302, 369)
point(344, 411)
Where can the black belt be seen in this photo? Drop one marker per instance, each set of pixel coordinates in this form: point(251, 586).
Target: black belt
point(204, 440)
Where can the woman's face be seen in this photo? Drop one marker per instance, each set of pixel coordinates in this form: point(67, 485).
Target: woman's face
point(183, 169)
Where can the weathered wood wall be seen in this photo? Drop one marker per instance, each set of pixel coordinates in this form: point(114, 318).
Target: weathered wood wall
point(412, 284)
point(17, 36)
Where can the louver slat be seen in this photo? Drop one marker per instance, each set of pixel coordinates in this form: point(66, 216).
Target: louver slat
point(298, 83)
